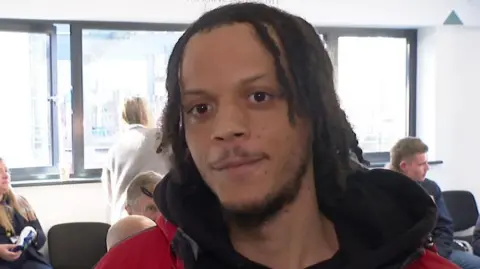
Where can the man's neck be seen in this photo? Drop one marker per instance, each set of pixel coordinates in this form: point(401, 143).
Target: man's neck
point(299, 236)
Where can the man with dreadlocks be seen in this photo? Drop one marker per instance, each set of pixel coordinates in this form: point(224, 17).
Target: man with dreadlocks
point(262, 174)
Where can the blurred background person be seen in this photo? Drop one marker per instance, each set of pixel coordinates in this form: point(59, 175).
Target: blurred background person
point(140, 195)
point(15, 214)
point(409, 157)
point(133, 153)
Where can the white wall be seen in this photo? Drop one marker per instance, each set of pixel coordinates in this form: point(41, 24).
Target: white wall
point(448, 76)
point(385, 13)
point(66, 203)
point(448, 104)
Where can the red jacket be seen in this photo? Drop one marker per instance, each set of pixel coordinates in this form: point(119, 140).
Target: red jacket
point(151, 250)
point(383, 218)
point(432, 260)
point(165, 247)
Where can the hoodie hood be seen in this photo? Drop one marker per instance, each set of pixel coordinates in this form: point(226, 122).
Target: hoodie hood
point(381, 219)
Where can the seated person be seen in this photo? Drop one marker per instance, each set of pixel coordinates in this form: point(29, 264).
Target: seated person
point(127, 227)
point(140, 193)
point(15, 214)
point(409, 157)
point(476, 238)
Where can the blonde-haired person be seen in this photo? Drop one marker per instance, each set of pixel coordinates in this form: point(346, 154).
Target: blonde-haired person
point(15, 214)
point(133, 153)
point(140, 195)
point(409, 157)
point(136, 111)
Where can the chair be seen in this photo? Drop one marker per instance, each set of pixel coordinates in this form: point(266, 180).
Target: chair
point(464, 212)
point(77, 245)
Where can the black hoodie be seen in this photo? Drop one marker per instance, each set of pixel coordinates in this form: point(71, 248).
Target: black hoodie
point(382, 221)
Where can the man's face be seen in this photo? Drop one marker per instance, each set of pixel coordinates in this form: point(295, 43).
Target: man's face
point(236, 124)
point(144, 206)
point(415, 167)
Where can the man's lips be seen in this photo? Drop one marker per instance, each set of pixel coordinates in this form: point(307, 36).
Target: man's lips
point(232, 163)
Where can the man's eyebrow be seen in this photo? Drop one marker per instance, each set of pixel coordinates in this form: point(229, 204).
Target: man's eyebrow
point(251, 79)
point(241, 82)
point(197, 92)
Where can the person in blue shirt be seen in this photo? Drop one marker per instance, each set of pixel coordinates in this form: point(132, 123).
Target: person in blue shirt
point(476, 238)
point(409, 157)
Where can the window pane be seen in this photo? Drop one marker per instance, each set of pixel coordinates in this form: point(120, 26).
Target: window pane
point(64, 95)
point(24, 106)
point(372, 87)
point(118, 64)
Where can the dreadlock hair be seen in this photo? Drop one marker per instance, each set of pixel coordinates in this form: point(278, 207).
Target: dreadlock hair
point(358, 151)
point(307, 84)
point(354, 147)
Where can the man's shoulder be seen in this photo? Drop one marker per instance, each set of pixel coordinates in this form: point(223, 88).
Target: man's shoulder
point(430, 182)
point(150, 248)
point(431, 260)
point(431, 187)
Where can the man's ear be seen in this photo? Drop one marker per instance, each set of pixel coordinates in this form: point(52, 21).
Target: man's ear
point(128, 209)
point(403, 165)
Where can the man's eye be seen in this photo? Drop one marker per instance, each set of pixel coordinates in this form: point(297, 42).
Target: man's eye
point(199, 109)
point(259, 97)
point(152, 208)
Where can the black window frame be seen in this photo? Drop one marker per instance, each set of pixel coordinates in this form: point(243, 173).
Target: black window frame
point(330, 34)
point(78, 141)
point(43, 172)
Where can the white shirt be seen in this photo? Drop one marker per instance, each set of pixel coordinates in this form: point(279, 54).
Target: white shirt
point(133, 153)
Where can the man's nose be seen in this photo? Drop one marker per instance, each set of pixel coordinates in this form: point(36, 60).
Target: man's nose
point(230, 123)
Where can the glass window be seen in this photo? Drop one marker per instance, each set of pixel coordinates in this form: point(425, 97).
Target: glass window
point(64, 95)
point(41, 132)
point(372, 87)
point(25, 109)
point(118, 64)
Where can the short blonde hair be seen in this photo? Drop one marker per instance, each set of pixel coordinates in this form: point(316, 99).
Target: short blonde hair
point(404, 149)
point(147, 180)
point(136, 111)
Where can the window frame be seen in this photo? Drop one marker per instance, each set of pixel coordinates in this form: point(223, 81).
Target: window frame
point(76, 50)
point(40, 174)
point(43, 172)
point(331, 36)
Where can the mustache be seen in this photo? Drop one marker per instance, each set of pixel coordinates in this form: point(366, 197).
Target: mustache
point(236, 153)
